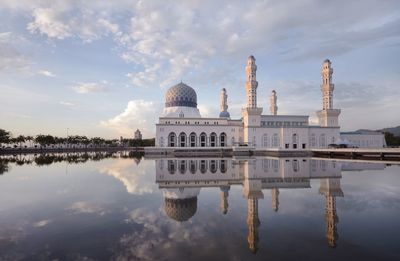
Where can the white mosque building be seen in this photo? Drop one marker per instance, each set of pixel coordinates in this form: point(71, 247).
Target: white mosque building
point(181, 124)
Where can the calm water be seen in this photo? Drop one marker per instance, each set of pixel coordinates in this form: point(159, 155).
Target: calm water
point(116, 207)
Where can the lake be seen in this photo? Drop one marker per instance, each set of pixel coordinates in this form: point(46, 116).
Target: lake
point(121, 206)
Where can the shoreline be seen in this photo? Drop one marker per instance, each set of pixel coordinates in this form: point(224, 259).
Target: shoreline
point(15, 151)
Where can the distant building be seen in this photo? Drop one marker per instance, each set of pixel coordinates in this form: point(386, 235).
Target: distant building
point(364, 139)
point(138, 135)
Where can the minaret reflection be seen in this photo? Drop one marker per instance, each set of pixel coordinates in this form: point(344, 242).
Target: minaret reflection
point(253, 223)
point(275, 199)
point(330, 187)
point(182, 179)
point(224, 199)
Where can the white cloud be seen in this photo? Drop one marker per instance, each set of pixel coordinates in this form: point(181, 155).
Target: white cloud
point(136, 180)
point(68, 104)
point(138, 114)
point(11, 56)
point(84, 207)
point(46, 73)
point(49, 22)
point(42, 223)
point(90, 87)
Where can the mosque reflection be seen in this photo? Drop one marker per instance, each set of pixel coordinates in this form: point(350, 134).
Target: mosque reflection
point(182, 179)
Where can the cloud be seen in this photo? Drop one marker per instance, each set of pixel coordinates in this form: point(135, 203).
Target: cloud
point(138, 114)
point(68, 104)
point(49, 22)
point(136, 180)
point(66, 20)
point(42, 223)
point(11, 54)
point(90, 87)
point(46, 73)
point(84, 207)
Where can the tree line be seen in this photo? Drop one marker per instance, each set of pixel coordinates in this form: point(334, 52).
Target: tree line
point(392, 140)
point(71, 158)
point(7, 140)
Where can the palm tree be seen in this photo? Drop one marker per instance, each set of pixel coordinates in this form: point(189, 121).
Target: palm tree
point(30, 139)
point(20, 139)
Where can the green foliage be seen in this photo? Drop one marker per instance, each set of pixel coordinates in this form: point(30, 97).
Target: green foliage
point(4, 136)
point(392, 140)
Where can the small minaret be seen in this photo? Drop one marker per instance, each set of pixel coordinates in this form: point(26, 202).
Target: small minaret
point(273, 103)
point(251, 83)
point(275, 199)
point(328, 116)
point(224, 104)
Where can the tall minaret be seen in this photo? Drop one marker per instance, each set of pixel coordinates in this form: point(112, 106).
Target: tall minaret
point(327, 86)
point(273, 103)
point(224, 105)
point(251, 83)
point(328, 116)
point(251, 113)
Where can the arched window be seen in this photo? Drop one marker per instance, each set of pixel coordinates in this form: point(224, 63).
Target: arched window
point(295, 140)
point(172, 139)
point(275, 140)
point(182, 166)
point(213, 166)
point(171, 166)
point(264, 140)
point(192, 139)
point(182, 139)
point(193, 166)
point(213, 139)
point(203, 140)
point(203, 166)
point(322, 140)
point(223, 166)
point(313, 140)
point(222, 139)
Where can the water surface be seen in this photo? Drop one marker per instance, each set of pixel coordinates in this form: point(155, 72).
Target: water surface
point(118, 207)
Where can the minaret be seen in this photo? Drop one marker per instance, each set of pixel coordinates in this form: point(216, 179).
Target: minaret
point(275, 199)
point(273, 103)
point(251, 83)
point(251, 113)
point(224, 105)
point(253, 222)
point(328, 116)
point(330, 187)
point(224, 199)
point(327, 86)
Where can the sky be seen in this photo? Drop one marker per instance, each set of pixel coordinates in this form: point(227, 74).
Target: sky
point(101, 68)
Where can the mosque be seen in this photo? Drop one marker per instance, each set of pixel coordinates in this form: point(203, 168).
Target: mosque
point(181, 124)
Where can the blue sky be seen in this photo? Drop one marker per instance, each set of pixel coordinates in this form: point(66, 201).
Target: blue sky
point(101, 68)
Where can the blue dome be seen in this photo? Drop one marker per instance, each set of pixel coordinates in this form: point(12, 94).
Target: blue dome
point(224, 114)
point(181, 95)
